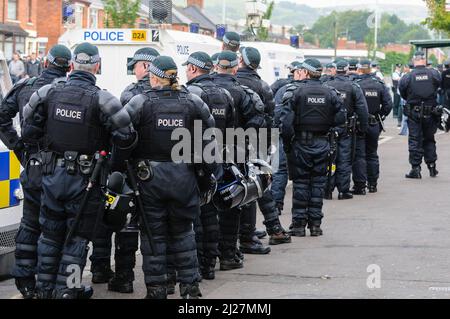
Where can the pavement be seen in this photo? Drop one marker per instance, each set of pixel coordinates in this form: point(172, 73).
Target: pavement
point(392, 244)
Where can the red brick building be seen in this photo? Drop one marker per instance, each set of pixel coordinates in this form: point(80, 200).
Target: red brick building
point(18, 26)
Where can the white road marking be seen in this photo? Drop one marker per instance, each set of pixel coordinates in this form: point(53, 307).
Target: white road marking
point(385, 139)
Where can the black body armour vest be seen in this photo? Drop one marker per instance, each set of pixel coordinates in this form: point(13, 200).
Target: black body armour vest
point(27, 91)
point(372, 92)
point(345, 89)
point(314, 113)
point(73, 122)
point(421, 87)
point(162, 113)
point(219, 105)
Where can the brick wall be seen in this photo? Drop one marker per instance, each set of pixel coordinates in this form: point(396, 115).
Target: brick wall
point(50, 25)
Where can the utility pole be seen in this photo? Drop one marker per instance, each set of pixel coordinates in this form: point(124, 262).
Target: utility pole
point(375, 46)
point(224, 12)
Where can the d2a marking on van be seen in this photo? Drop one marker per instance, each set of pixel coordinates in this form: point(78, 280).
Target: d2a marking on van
point(139, 35)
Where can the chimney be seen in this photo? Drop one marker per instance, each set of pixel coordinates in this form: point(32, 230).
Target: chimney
point(198, 3)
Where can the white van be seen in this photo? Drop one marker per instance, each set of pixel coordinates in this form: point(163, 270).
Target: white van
point(10, 191)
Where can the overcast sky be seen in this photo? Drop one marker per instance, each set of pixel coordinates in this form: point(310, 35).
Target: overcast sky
point(328, 3)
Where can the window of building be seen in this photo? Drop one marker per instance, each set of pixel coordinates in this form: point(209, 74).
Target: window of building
point(30, 11)
point(79, 16)
point(20, 45)
point(93, 18)
point(12, 9)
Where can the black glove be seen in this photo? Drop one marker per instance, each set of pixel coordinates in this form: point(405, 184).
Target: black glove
point(19, 150)
point(438, 110)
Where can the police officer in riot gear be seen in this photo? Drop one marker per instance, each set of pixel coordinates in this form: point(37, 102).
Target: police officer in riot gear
point(76, 120)
point(278, 84)
point(357, 117)
point(352, 72)
point(140, 62)
point(249, 112)
point(126, 242)
point(221, 105)
point(231, 41)
point(310, 110)
point(280, 177)
point(249, 243)
point(379, 102)
point(445, 84)
point(329, 72)
point(56, 68)
point(170, 213)
point(419, 89)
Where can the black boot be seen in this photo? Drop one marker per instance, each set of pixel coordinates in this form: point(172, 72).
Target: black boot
point(278, 235)
point(252, 245)
point(328, 195)
point(190, 291)
point(101, 273)
point(44, 294)
point(239, 254)
point(230, 260)
point(373, 187)
point(359, 189)
point(345, 195)
point(156, 292)
point(260, 233)
point(171, 283)
point(414, 173)
point(26, 286)
point(85, 292)
point(122, 282)
point(297, 228)
point(207, 268)
point(280, 207)
point(432, 168)
point(314, 228)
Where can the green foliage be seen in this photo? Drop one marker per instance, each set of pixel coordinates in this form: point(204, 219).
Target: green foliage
point(439, 19)
point(353, 25)
point(121, 13)
point(263, 33)
point(392, 58)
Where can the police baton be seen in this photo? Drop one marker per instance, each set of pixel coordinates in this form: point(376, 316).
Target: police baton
point(380, 119)
point(140, 205)
point(92, 180)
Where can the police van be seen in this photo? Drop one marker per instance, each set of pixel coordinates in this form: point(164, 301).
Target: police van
point(117, 46)
point(10, 191)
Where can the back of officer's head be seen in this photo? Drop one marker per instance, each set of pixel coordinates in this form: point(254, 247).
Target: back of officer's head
point(231, 41)
point(86, 58)
point(198, 63)
point(312, 68)
point(228, 63)
point(419, 59)
point(341, 67)
point(164, 73)
point(365, 67)
point(59, 57)
point(250, 58)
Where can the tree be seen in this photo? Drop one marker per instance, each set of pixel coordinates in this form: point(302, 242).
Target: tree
point(263, 32)
point(121, 13)
point(439, 19)
point(392, 58)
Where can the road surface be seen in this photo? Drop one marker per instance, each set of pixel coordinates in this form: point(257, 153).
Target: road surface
point(400, 235)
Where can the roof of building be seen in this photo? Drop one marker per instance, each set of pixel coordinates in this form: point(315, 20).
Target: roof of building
point(198, 16)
